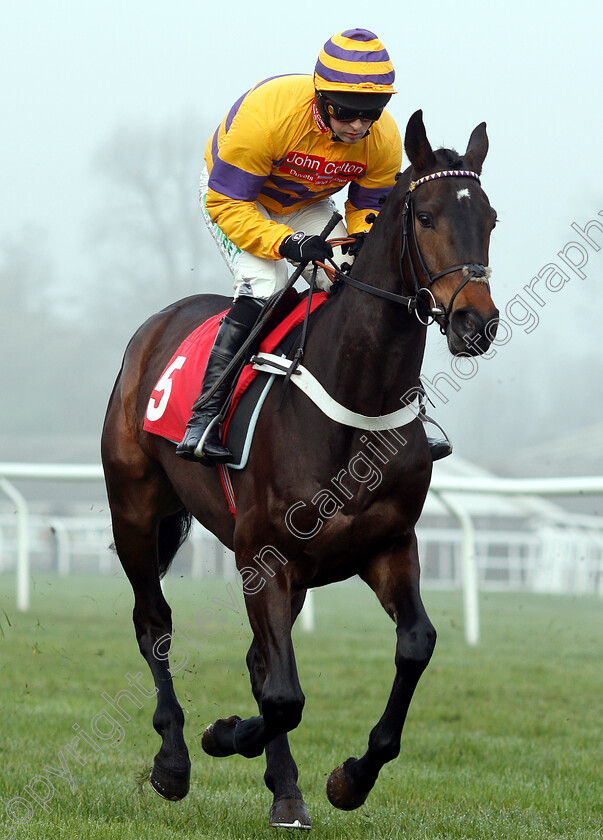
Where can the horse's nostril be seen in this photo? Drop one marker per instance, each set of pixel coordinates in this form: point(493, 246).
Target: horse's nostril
point(466, 322)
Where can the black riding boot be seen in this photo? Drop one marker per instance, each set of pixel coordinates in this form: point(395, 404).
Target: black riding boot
point(233, 331)
point(438, 447)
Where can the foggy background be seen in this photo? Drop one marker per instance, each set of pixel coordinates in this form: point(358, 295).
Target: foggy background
point(106, 108)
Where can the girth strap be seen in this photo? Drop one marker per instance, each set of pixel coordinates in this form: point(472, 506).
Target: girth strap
point(312, 388)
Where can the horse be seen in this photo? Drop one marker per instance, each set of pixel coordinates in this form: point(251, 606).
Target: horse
point(424, 259)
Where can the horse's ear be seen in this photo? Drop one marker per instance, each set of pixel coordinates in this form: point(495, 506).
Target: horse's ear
point(477, 148)
point(416, 144)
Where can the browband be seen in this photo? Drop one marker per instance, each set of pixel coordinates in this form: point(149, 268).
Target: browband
point(445, 173)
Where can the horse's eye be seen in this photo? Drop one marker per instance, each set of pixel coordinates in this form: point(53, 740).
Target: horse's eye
point(424, 220)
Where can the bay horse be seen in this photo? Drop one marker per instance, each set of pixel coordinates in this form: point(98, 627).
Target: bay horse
point(426, 254)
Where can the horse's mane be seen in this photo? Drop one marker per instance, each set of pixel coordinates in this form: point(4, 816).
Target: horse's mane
point(451, 158)
point(448, 157)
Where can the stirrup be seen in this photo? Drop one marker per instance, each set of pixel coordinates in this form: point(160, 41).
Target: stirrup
point(208, 458)
point(194, 454)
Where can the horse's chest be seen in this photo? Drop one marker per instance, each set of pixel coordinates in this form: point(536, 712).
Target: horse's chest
point(341, 534)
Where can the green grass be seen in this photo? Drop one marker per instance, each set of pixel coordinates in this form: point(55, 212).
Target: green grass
point(502, 741)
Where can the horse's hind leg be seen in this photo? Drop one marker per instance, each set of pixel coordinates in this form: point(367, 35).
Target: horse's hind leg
point(288, 807)
point(394, 577)
point(138, 504)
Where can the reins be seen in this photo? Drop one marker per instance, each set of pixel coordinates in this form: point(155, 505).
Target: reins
point(413, 302)
point(471, 271)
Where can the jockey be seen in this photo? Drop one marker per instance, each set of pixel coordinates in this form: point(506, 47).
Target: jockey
point(284, 148)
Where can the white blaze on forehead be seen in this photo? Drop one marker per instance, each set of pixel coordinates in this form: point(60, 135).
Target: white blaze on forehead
point(464, 193)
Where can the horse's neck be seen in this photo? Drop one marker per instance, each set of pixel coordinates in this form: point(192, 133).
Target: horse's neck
point(371, 349)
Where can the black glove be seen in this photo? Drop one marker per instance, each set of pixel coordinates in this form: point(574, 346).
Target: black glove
point(353, 248)
point(300, 248)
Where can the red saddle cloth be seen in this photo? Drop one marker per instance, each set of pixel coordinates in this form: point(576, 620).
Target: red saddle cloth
point(179, 385)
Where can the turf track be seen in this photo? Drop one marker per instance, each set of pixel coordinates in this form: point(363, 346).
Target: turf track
point(502, 741)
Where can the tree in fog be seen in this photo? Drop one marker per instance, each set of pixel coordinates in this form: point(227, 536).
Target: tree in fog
point(149, 242)
point(36, 344)
point(26, 276)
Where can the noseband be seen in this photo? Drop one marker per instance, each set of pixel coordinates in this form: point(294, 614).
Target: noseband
point(471, 271)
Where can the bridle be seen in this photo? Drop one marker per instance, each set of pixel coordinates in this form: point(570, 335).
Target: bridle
point(471, 271)
point(415, 303)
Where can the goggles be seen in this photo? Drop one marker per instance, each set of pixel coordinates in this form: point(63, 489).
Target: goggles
point(346, 115)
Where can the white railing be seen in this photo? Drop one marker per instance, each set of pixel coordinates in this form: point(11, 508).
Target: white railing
point(447, 489)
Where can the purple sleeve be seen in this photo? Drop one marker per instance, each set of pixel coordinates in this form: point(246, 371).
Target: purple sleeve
point(229, 180)
point(367, 199)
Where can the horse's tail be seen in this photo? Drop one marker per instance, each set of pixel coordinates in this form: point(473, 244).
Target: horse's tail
point(173, 531)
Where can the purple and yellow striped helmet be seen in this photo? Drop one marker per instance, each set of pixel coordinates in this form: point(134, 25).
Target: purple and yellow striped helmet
point(354, 61)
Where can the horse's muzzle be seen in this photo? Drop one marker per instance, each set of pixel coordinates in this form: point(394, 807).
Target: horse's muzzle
point(470, 333)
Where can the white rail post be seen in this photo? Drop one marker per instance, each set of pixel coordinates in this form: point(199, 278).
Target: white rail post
point(229, 566)
point(197, 558)
point(22, 544)
point(61, 536)
point(307, 619)
point(470, 575)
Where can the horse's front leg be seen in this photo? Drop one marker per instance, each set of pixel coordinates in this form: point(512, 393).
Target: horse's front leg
point(394, 577)
point(288, 808)
point(281, 699)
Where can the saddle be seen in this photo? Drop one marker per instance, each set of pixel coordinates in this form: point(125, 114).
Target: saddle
point(170, 403)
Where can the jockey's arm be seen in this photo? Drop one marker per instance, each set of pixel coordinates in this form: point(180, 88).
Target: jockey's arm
point(244, 225)
point(237, 174)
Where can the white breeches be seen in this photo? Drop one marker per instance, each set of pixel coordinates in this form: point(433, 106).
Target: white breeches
point(260, 278)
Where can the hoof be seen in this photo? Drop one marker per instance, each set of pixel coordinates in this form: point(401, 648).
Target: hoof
point(341, 793)
point(290, 813)
point(172, 785)
point(218, 738)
